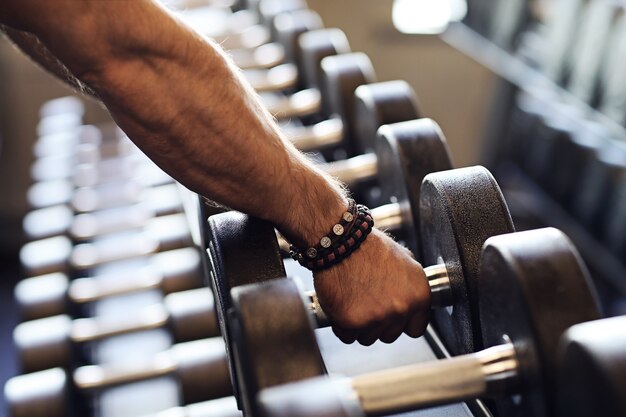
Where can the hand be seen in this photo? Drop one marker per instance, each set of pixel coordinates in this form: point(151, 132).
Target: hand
point(379, 292)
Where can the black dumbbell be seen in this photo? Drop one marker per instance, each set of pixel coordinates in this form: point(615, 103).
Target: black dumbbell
point(199, 368)
point(533, 287)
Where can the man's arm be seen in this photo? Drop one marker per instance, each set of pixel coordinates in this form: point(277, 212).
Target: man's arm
point(181, 100)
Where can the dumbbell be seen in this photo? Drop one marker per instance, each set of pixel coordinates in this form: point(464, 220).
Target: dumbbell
point(425, 144)
point(54, 341)
point(591, 370)
point(58, 254)
point(533, 286)
point(55, 294)
point(460, 209)
point(199, 367)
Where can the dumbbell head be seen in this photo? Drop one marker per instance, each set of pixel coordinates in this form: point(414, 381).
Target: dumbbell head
point(269, 9)
point(533, 287)
point(591, 376)
point(406, 153)
point(381, 104)
point(460, 209)
point(273, 339)
point(227, 235)
point(40, 394)
point(342, 75)
point(374, 105)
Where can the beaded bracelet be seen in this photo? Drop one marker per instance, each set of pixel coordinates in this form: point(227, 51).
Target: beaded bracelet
point(345, 237)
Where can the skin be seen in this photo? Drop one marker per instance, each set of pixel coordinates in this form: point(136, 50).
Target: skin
point(180, 99)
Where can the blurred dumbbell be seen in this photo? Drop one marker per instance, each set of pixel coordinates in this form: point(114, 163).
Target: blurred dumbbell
point(533, 287)
point(55, 293)
point(199, 367)
point(57, 254)
point(53, 341)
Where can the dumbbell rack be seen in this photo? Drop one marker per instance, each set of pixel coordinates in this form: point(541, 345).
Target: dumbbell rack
point(507, 53)
point(406, 349)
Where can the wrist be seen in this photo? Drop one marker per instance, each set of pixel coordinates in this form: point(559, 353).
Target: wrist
point(313, 204)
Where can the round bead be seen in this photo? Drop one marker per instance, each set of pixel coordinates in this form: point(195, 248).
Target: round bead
point(325, 242)
point(348, 217)
point(338, 229)
point(311, 253)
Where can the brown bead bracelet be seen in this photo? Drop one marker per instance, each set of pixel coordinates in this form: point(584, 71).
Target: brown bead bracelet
point(346, 237)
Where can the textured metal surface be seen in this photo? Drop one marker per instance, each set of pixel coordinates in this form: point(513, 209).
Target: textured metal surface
point(232, 238)
point(407, 152)
point(275, 342)
point(380, 104)
point(532, 287)
point(459, 210)
point(591, 377)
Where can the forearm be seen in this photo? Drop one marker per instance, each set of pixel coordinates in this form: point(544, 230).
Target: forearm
point(188, 109)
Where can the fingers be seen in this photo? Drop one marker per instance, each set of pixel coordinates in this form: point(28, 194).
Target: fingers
point(345, 335)
point(417, 323)
point(394, 331)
